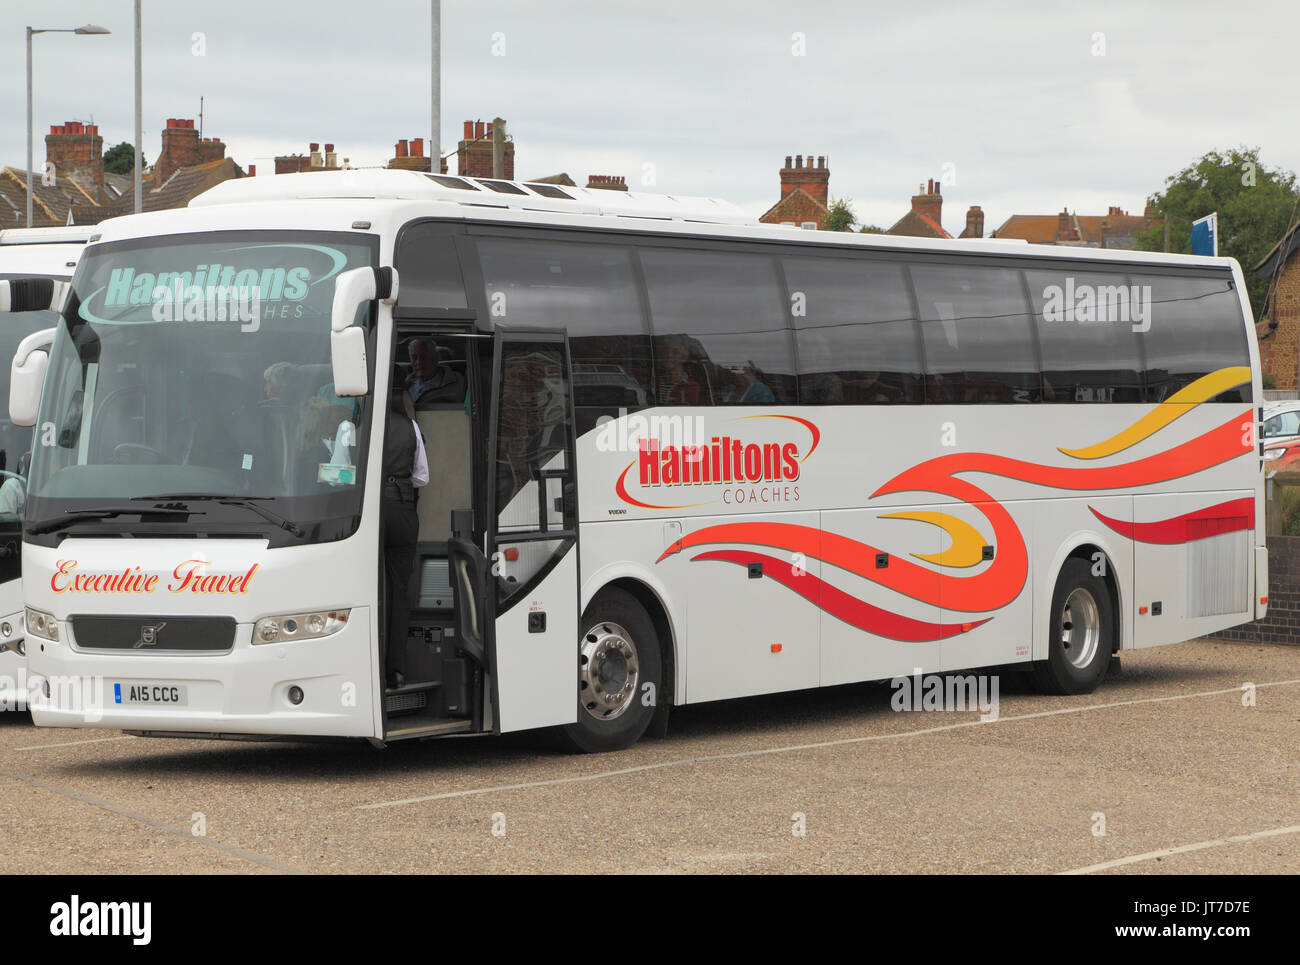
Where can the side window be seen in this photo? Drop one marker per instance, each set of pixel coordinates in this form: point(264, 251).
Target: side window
point(976, 329)
point(1283, 424)
point(588, 289)
point(1085, 333)
point(428, 268)
point(857, 339)
point(1195, 328)
point(720, 328)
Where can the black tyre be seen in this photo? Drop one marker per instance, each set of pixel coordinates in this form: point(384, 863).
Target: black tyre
point(1081, 634)
point(620, 675)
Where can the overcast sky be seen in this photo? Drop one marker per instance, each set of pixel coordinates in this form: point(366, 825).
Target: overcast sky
point(1032, 105)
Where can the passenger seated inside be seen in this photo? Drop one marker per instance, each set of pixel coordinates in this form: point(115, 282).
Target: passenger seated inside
point(432, 380)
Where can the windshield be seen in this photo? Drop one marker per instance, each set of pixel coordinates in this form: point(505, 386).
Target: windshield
point(197, 366)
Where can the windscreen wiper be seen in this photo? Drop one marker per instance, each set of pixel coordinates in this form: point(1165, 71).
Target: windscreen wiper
point(247, 502)
point(105, 512)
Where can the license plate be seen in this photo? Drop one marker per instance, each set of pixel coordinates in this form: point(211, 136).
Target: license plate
point(149, 694)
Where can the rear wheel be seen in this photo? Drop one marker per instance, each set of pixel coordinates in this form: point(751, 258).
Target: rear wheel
point(1081, 632)
point(619, 675)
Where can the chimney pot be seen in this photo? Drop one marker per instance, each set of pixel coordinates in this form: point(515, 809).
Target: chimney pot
point(329, 148)
point(417, 147)
point(252, 170)
point(469, 131)
point(798, 160)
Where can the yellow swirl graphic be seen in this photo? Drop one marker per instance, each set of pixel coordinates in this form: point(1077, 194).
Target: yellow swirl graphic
point(1174, 407)
point(967, 543)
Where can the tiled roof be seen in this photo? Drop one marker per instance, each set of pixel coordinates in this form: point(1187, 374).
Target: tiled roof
point(1094, 229)
point(175, 192)
point(917, 225)
point(50, 203)
point(797, 206)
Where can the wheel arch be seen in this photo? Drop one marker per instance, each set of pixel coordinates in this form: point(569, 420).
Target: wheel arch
point(1084, 545)
point(652, 596)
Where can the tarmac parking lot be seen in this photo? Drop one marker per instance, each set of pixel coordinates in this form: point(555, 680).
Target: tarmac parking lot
point(1170, 766)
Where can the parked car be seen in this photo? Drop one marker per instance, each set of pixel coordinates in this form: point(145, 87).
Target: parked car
point(1281, 423)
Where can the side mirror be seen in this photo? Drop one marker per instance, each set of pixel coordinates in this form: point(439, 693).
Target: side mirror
point(32, 295)
point(27, 376)
point(352, 289)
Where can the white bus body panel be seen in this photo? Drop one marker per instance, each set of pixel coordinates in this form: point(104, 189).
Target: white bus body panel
point(537, 672)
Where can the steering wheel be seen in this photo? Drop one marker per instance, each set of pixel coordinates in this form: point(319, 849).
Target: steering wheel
point(122, 448)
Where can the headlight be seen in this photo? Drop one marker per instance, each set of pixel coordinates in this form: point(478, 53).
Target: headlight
point(42, 624)
point(299, 626)
point(1271, 454)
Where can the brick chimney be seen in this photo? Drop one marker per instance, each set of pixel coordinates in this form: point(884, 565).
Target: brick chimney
point(974, 223)
point(313, 160)
point(180, 148)
point(814, 177)
point(408, 155)
point(1065, 228)
point(474, 152)
point(607, 182)
point(77, 152)
point(929, 202)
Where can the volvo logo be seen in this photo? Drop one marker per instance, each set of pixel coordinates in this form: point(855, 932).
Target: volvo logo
point(149, 636)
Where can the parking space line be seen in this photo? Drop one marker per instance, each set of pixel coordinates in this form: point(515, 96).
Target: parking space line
point(92, 740)
point(157, 825)
point(1182, 849)
point(790, 748)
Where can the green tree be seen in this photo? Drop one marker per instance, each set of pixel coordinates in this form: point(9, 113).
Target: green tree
point(1256, 205)
point(872, 229)
point(120, 159)
point(842, 217)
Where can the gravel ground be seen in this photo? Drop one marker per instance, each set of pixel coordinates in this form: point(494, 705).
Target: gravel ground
point(1165, 750)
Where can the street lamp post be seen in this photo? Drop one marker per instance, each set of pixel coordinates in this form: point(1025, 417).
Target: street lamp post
point(88, 29)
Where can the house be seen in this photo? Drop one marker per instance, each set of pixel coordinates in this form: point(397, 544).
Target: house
point(925, 220)
point(1279, 330)
point(1115, 229)
point(73, 187)
point(804, 198)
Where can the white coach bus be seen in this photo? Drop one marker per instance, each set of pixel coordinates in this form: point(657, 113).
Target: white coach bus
point(675, 456)
point(40, 256)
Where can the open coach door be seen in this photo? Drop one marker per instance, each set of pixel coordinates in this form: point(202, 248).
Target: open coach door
point(532, 534)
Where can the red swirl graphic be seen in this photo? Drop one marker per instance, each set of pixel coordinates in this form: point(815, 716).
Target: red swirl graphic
point(841, 605)
point(1229, 517)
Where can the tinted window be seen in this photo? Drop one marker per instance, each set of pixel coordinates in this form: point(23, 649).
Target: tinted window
point(1195, 328)
point(720, 328)
point(427, 268)
point(976, 329)
point(857, 338)
point(589, 290)
point(1085, 333)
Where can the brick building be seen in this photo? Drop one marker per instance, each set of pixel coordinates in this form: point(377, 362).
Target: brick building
point(1279, 330)
point(1114, 229)
point(313, 160)
point(925, 220)
point(804, 194)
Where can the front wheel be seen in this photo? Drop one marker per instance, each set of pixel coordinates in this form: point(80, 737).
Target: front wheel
point(1080, 635)
point(619, 675)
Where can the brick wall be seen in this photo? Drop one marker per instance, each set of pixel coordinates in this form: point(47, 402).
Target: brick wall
point(1282, 625)
point(1280, 352)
